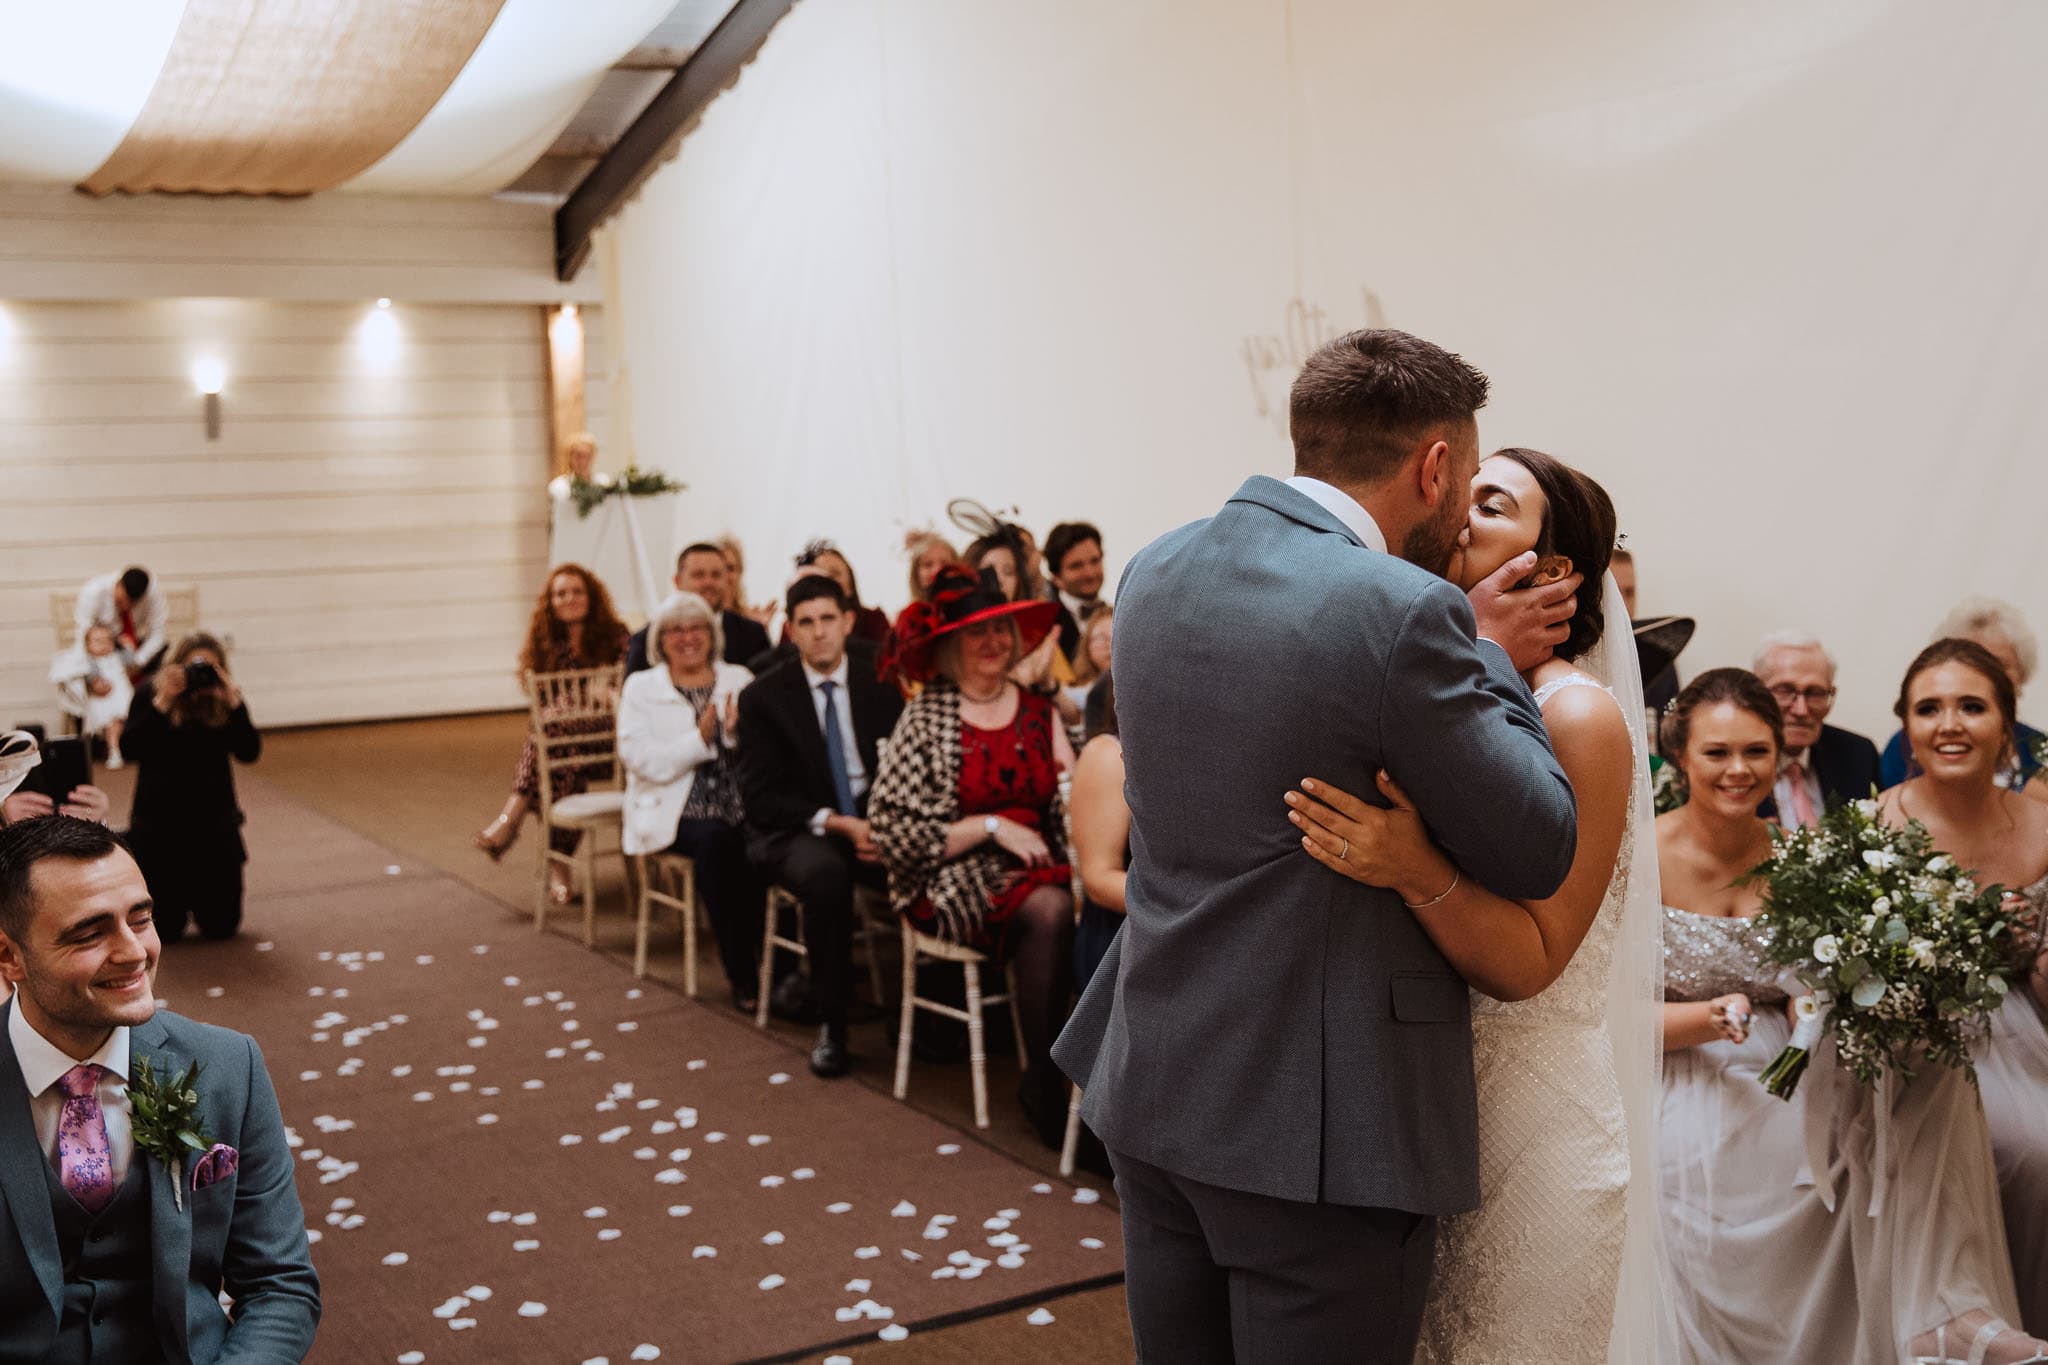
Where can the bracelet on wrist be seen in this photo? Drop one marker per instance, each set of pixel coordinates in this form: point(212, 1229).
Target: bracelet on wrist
point(1456, 877)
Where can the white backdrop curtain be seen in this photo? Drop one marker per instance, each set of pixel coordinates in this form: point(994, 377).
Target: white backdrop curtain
point(1775, 274)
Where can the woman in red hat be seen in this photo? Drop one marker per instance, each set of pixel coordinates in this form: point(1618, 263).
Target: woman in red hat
point(966, 805)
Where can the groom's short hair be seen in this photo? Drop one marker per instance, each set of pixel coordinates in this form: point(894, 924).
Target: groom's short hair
point(25, 843)
point(1362, 401)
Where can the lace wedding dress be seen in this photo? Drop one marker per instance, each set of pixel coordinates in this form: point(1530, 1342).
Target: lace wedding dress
point(1531, 1275)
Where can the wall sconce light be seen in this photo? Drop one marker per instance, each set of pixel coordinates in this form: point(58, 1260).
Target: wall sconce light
point(209, 376)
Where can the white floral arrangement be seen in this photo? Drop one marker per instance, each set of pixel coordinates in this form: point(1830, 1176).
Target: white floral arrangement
point(1903, 955)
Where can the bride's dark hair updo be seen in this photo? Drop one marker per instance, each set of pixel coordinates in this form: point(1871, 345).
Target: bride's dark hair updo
point(1736, 686)
point(1578, 523)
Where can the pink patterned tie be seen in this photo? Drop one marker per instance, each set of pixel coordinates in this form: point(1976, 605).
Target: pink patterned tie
point(1802, 804)
point(85, 1162)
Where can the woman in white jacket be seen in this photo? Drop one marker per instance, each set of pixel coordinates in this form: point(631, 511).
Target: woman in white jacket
point(678, 729)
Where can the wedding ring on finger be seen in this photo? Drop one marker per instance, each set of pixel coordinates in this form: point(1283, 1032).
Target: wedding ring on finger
point(1344, 854)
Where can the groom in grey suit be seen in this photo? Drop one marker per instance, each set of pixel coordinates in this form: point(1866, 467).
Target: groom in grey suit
point(1277, 1058)
point(100, 1261)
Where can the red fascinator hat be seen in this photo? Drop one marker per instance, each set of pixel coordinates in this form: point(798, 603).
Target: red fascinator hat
point(959, 599)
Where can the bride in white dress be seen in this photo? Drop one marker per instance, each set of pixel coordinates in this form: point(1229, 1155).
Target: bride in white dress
point(1561, 1261)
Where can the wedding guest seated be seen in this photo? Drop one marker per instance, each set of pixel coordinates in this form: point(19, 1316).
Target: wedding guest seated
point(869, 623)
point(187, 728)
point(966, 806)
point(702, 569)
point(736, 570)
point(928, 552)
point(1820, 766)
point(1091, 666)
point(1073, 554)
point(102, 1260)
point(1005, 554)
point(128, 604)
point(92, 684)
point(1660, 687)
point(810, 729)
point(678, 731)
point(1102, 839)
point(1893, 1253)
point(1957, 703)
point(573, 627)
point(1999, 628)
point(18, 757)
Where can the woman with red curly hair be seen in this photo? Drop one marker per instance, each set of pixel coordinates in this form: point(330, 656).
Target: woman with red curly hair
point(573, 627)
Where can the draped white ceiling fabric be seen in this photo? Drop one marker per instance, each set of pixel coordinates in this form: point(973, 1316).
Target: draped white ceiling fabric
point(290, 96)
point(75, 79)
point(1773, 273)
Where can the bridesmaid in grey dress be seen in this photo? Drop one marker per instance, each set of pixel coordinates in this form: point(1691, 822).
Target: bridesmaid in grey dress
point(1850, 1224)
point(1956, 704)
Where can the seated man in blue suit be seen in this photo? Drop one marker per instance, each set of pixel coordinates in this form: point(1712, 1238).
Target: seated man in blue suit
point(107, 1253)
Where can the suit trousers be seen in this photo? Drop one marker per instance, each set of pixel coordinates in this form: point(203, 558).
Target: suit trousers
point(1223, 1276)
point(731, 892)
point(822, 872)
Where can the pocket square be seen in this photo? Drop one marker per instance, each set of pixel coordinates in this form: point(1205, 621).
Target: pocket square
point(219, 1163)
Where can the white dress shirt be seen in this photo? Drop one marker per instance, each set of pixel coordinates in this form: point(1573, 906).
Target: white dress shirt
point(152, 615)
point(1077, 607)
point(842, 706)
point(43, 1064)
point(1344, 508)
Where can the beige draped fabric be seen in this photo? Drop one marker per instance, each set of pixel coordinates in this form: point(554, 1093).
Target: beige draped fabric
point(291, 96)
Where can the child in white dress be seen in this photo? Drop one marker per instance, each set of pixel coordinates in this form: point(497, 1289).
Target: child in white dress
point(92, 680)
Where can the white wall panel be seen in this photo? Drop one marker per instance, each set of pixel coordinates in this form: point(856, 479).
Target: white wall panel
point(1773, 273)
point(57, 244)
point(369, 529)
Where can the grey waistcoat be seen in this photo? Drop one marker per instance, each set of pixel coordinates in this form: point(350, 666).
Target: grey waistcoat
point(107, 1275)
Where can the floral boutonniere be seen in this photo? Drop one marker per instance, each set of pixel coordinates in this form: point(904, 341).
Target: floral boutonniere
point(165, 1119)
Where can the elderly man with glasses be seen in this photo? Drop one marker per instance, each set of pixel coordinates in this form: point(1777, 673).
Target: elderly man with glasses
point(1820, 765)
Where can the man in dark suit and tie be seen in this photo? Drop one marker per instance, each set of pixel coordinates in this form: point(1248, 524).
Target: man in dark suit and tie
point(702, 569)
point(809, 728)
point(1820, 766)
point(1277, 1058)
point(108, 1255)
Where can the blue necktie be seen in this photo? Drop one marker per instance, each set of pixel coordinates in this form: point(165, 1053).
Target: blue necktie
point(835, 751)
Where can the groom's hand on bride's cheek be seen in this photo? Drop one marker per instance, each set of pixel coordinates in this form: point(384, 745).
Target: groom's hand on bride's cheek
point(1528, 623)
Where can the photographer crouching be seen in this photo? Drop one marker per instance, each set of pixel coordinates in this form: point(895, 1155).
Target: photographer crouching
point(186, 829)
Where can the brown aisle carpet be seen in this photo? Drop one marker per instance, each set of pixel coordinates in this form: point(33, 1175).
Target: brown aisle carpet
point(512, 1151)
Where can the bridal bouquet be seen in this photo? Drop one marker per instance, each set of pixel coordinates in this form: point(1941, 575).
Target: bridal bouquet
point(1904, 954)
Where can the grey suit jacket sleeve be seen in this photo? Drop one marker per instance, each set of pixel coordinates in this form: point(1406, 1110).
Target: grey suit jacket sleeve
point(268, 1266)
point(1461, 734)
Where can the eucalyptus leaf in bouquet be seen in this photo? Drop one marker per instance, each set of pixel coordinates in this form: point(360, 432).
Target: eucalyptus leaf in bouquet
point(1905, 955)
point(635, 482)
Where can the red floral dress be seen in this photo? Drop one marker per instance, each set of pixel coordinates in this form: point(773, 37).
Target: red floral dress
point(1012, 772)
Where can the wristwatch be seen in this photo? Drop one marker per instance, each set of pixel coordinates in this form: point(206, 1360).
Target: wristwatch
point(990, 825)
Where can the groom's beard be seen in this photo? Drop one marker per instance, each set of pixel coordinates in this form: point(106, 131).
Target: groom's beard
point(1431, 545)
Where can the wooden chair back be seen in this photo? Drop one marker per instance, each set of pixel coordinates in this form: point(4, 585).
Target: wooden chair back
point(573, 717)
point(184, 615)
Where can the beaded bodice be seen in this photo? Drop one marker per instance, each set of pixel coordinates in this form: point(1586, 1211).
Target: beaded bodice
point(1712, 955)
